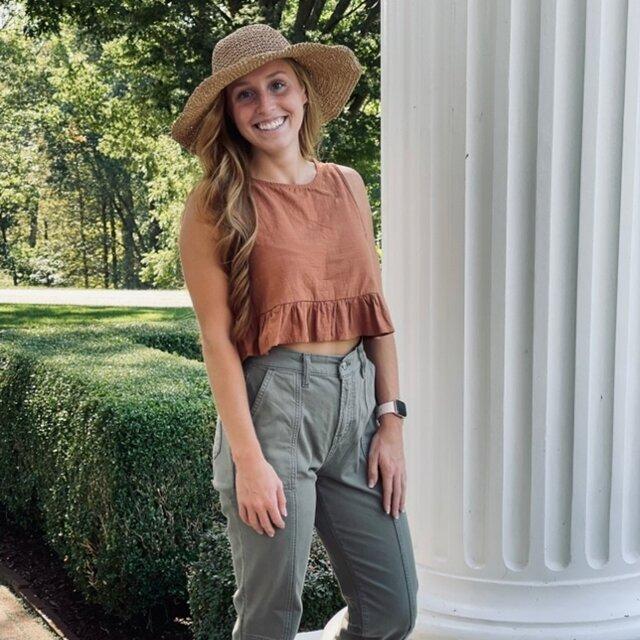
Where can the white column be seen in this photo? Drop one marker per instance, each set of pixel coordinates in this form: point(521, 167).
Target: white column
point(511, 241)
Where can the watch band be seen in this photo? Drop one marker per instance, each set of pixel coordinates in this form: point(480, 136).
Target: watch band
point(392, 406)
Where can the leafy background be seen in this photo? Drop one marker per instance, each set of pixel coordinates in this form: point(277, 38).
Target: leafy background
point(91, 184)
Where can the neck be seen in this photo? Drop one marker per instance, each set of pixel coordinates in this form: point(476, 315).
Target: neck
point(292, 170)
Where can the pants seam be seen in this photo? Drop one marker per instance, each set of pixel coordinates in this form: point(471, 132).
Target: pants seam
point(294, 471)
point(412, 613)
point(242, 586)
point(292, 571)
point(347, 562)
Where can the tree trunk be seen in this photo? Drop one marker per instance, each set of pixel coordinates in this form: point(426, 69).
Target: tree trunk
point(115, 274)
point(105, 243)
point(83, 235)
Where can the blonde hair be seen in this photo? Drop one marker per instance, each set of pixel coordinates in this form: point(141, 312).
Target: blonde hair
point(223, 191)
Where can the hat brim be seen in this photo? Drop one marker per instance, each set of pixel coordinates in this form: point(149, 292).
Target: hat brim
point(334, 69)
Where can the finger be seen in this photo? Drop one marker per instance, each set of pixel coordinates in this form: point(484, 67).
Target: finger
point(265, 522)
point(282, 501)
point(404, 491)
point(387, 489)
point(254, 521)
point(273, 513)
point(397, 493)
point(242, 512)
point(372, 468)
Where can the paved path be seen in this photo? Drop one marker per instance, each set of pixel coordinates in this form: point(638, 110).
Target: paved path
point(98, 297)
point(18, 622)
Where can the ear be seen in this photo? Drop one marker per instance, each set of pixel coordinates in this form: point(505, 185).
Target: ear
point(304, 92)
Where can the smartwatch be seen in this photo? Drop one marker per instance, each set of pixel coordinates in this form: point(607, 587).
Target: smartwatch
point(393, 406)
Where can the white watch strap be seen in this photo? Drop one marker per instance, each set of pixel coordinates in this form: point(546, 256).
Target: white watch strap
point(385, 407)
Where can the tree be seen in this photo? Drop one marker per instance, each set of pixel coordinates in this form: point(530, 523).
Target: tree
point(109, 78)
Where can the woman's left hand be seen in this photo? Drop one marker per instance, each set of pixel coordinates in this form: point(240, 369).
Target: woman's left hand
point(386, 458)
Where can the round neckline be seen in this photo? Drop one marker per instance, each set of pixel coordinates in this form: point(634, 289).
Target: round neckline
point(287, 185)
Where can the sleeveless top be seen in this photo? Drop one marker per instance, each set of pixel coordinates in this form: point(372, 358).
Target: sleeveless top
point(314, 271)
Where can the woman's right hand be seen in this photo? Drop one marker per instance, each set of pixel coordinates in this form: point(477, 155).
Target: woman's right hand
point(260, 495)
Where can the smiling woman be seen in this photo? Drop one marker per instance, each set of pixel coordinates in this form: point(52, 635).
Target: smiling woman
point(278, 255)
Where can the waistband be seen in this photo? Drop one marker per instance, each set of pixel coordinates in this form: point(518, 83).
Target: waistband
point(306, 363)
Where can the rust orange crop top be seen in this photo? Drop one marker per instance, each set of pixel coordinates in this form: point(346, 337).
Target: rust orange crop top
point(314, 271)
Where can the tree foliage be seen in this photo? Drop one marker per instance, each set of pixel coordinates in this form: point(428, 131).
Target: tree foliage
point(91, 184)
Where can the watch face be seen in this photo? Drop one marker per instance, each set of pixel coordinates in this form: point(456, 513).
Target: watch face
point(401, 408)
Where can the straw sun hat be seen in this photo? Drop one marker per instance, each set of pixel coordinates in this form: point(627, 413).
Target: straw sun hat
point(334, 71)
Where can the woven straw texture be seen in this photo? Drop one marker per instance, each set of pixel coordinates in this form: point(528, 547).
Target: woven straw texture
point(334, 70)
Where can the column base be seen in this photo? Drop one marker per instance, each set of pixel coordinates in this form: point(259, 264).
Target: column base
point(430, 626)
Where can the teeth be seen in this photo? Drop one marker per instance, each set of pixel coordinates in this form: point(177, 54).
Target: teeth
point(272, 124)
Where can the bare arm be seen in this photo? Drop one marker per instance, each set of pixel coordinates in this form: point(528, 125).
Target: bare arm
point(380, 349)
point(259, 490)
point(387, 450)
point(207, 284)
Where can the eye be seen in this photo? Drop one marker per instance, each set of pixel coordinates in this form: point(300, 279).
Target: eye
point(241, 94)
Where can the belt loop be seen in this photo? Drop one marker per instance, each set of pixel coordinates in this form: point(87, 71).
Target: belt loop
point(305, 369)
point(362, 356)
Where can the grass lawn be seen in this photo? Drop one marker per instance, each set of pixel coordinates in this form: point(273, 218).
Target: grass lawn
point(13, 316)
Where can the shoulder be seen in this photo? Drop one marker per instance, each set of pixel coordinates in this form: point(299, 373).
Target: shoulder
point(194, 207)
point(196, 223)
point(356, 183)
point(350, 174)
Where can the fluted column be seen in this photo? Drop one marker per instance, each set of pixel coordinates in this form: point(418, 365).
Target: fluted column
point(511, 242)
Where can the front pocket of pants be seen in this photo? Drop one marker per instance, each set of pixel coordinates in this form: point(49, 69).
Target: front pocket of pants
point(257, 387)
point(369, 431)
point(257, 381)
point(257, 398)
point(370, 404)
point(370, 383)
point(273, 406)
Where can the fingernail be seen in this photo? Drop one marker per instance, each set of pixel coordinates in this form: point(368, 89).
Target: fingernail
point(386, 511)
point(285, 512)
point(396, 517)
point(370, 484)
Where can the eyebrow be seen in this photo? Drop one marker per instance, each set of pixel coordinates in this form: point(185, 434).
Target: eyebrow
point(244, 82)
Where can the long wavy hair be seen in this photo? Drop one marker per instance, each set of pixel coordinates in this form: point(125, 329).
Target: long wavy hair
point(224, 196)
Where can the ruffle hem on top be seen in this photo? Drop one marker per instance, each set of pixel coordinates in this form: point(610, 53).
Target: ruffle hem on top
point(318, 321)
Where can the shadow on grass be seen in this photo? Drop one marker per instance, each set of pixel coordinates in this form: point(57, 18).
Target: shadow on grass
point(33, 315)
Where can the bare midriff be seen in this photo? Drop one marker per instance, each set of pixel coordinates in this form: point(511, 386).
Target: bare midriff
point(328, 347)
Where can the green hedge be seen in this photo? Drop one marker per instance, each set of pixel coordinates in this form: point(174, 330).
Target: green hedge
point(181, 338)
point(105, 445)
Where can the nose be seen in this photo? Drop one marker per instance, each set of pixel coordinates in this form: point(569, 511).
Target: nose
point(265, 103)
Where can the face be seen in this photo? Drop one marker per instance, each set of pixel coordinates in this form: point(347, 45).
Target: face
point(268, 93)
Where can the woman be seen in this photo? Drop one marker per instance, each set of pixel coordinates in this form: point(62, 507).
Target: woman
point(277, 251)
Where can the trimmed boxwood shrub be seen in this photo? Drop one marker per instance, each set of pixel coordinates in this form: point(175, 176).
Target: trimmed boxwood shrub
point(105, 445)
point(179, 337)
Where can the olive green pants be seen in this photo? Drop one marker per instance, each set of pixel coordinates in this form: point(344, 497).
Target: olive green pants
point(314, 419)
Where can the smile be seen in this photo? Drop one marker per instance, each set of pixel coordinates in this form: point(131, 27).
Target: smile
point(272, 125)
